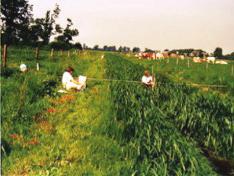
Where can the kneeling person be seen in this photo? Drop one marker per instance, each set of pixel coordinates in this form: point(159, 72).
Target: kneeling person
point(148, 80)
point(69, 82)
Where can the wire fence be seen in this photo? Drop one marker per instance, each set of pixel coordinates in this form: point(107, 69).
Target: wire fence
point(34, 53)
point(159, 83)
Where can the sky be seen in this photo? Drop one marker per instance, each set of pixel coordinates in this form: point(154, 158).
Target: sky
point(154, 24)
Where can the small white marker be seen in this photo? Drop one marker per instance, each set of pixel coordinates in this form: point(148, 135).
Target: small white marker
point(38, 68)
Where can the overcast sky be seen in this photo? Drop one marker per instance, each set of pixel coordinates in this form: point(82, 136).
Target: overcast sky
point(155, 24)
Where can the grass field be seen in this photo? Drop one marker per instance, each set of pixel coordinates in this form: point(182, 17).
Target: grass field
point(115, 128)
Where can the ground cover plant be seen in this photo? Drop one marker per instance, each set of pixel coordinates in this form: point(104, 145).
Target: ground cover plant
point(46, 133)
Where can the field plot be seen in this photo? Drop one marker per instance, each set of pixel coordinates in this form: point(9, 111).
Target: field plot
point(113, 127)
point(45, 133)
point(189, 72)
point(149, 118)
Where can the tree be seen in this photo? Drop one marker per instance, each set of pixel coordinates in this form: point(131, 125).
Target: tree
point(120, 49)
point(105, 48)
point(136, 50)
point(218, 52)
point(96, 47)
point(16, 16)
point(68, 33)
point(85, 46)
point(43, 28)
point(78, 46)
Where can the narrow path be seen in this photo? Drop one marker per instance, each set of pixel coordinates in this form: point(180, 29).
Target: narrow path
point(71, 137)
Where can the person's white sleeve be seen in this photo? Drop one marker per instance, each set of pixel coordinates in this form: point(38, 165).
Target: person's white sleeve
point(67, 77)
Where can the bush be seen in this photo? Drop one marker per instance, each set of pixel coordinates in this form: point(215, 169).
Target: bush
point(57, 45)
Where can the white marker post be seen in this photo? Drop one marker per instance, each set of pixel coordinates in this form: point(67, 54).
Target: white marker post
point(37, 58)
point(68, 53)
point(38, 67)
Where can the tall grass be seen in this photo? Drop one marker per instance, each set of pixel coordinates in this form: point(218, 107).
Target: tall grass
point(197, 73)
point(157, 145)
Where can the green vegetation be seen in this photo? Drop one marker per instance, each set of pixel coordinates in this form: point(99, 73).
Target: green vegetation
point(154, 141)
point(196, 73)
point(45, 133)
point(111, 128)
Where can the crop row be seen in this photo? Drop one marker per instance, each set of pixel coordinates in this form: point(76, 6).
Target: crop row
point(205, 117)
point(157, 145)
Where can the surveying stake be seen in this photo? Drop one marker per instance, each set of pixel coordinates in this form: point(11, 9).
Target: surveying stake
point(154, 78)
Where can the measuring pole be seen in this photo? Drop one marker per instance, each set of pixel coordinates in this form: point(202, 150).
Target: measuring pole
point(153, 76)
point(232, 69)
point(4, 56)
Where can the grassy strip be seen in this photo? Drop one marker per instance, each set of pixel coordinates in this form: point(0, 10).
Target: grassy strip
point(70, 137)
point(155, 143)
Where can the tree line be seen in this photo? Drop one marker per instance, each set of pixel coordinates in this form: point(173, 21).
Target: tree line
point(218, 52)
point(19, 27)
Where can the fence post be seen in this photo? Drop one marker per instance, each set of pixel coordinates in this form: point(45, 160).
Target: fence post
point(37, 53)
point(61, 52)
point(177, 61)
point(68, 53)
point(79, 53)
point(207, 65)
point(4, 56)
point(52, 53)
point(37, 58)
point(188, 63)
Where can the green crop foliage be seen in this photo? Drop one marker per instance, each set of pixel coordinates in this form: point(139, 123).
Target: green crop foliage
point(158, 146)
point(206, 116)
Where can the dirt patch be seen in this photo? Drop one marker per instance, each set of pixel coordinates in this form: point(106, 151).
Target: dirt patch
point(94, 90)
point(63, 99)
point(33, 141)
point(223, 166)
point(51, 110)
point(45, 126)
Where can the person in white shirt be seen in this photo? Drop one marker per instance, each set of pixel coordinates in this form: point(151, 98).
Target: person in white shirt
point(69, 82)
point(148, 80)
